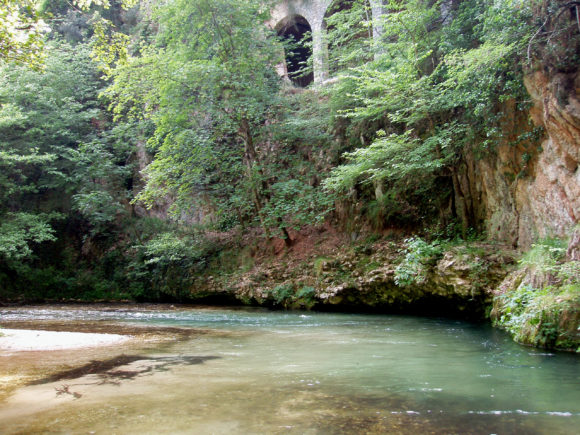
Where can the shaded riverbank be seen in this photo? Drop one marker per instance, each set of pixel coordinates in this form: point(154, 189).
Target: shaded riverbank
point(535, 296)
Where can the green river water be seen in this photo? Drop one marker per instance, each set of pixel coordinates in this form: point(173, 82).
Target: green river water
point(253, 371)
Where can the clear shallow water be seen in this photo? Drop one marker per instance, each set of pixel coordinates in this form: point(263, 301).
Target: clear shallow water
point(258, 371)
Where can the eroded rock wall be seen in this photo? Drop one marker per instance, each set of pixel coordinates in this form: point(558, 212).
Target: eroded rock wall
point(520, 194)
point(461, 282)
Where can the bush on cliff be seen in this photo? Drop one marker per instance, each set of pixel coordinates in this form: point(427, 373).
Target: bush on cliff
point(539, 304)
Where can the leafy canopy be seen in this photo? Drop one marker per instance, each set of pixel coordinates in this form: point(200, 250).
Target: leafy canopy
point(208, 82)
point(24, 25)
point(435, 87)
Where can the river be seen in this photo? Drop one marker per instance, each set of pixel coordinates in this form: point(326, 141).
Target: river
point(253, 371)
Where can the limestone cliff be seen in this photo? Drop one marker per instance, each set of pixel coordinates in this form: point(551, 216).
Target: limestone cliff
point(551, 200)
point(522, 193)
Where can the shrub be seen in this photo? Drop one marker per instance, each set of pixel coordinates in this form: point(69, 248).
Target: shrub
point(419, 257)
point(546, 255)
point(281, 294)
point(544, 309)
point(286, 296)
point(533, 316)
point(305, 297)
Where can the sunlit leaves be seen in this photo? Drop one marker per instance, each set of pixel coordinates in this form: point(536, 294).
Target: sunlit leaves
point(109, 46)
point(43, 116)
point(441, 77)
point(389, 158)
point(86, 4)
point(21, 32)
point(18, 231)
point(24, 25)
point(349, 34)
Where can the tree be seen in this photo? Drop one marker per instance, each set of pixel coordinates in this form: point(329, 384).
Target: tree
point(349, 34)
point(24, 25)
point(44, 115)
point(209, 84)
point(435, 88)
point(21, 32)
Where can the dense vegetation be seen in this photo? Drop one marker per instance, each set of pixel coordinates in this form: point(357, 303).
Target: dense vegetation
point(134, 133)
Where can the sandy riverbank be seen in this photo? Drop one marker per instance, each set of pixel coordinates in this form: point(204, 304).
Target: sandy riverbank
point(31, 340)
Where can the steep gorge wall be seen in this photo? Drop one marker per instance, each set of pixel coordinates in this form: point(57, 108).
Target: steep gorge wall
point(520, 194)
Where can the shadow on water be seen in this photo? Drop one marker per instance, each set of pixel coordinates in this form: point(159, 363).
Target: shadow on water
point(109, 373)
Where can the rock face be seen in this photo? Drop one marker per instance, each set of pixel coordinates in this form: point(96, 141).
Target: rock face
point(522, 194)
point(552, 200)
point(460, 283)
point(573, 252)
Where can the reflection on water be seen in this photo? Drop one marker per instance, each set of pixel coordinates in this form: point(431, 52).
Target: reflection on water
point(278, 372)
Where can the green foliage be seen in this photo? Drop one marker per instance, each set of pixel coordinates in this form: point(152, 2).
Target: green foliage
point(305, 298)
point(546, 255)
point(547, 259)
point(168, 248)
point(207, 84)
point(24, 25)
point(454, 233)
point(221, 142)
point(419, 257)
point(543, 309)
point(63, 181)
point(43, 116)
point(294, 204)
point(287, 296)
point(21, 32)
point(19, 231)
point(165, 264)
point(304, 122)
point(365, 247)
point(99, 207)
point(282, 293)
point(533, 316)
point(100, 174)
point(569, 272)
point(86, 4)
point(109, 46)
point(349, 34)
point(394, 158)
point(195, 82)
point(306, 293)
point(436, 87)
